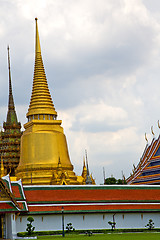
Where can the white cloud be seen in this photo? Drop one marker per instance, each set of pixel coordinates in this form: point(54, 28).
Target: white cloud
point(97, 116)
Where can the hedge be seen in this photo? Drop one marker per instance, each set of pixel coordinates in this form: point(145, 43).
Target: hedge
point(38, 233)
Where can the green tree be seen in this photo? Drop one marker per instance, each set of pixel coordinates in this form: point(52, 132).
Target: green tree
point(113, 181)
point(121, 181)
point(30, 228)
point(110, 181)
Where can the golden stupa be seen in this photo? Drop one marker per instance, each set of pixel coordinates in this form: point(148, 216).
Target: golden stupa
point(44, 157)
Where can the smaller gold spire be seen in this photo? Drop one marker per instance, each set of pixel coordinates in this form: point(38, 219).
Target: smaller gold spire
point(84, 171)
point(2, 168)
point(92, 179)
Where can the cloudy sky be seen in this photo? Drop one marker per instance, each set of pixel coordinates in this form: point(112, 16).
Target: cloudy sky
point(102, 61)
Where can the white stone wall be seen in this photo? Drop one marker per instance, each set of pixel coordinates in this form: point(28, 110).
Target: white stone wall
point(136, 220)
point(88, 221)
point(10, 225)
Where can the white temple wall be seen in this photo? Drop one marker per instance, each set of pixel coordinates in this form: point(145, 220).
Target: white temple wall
point(8, 229)
point(10, 226)
point(136, 220)
point(88, 221)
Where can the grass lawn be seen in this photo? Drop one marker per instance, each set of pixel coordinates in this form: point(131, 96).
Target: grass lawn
point(113, 236)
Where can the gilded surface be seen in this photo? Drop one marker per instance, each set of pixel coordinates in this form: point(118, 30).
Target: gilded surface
point(3, 194)
point(44, 153)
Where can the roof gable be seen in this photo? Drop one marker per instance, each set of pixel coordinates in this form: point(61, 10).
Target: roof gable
point(148, 169)
point(7, 201)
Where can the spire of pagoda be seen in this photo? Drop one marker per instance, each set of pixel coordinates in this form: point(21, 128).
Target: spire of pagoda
point(41, 103)
point(84, 171)
point(10, 136)
point(88, 178)
point(11, 114)
point(2, 168)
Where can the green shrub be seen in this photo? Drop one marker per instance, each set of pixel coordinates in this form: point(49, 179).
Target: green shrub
point(70, 228)
point(82, 231)
point(22, 234)
point(112, 224)
point(150, 225)
point(30, 228)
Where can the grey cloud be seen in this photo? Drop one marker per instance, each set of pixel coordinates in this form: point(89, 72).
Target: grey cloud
point(152, 5)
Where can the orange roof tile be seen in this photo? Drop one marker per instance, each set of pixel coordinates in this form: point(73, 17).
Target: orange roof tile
point(16, 192)
point(91, 195)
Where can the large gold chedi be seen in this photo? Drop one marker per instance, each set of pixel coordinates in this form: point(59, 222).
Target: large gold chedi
point(44, 153)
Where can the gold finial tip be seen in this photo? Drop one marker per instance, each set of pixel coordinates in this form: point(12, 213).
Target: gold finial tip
point(36, 19)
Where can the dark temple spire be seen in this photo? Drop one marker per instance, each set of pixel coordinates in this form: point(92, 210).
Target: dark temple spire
point(11, 114)
point(88, 178)
point(10, 134)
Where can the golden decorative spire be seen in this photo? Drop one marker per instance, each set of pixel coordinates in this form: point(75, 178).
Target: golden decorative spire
point(44, 157)
point(41, 105)
point(2, 168)
point(84, 171)
point(38, 47)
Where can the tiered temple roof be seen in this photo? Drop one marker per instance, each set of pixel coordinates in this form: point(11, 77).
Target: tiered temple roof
point(148, 168)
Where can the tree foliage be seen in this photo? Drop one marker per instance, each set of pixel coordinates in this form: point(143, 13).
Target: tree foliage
point(113, 181)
